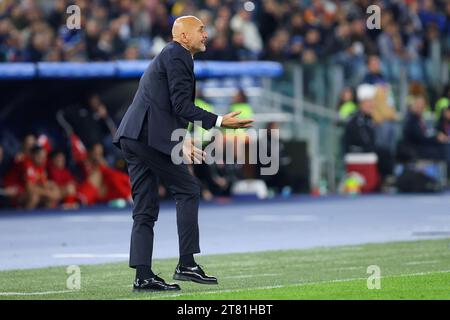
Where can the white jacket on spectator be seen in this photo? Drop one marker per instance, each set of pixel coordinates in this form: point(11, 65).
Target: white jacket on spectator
point(241, 22)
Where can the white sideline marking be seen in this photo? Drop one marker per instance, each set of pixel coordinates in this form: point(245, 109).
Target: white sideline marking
point(89, 255)
point(34, 293)
point(276, 217)
point(412, 263)
point(98, 218)
point(349, 268)
point(293, 285)
point(253, 276)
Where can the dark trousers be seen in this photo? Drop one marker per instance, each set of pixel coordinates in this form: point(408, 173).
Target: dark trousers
point(145, 166)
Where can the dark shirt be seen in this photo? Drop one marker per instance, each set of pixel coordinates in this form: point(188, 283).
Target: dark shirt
point(414, 131)
point(374, 78)
point(359, 134)
point(443, 126)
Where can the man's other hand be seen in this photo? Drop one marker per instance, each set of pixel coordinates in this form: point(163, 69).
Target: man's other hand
point(191, 153)
point(442, 137)
point(230, 121)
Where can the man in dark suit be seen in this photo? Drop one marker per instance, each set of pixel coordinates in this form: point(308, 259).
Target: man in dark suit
point(415, 135)
point(164, 102)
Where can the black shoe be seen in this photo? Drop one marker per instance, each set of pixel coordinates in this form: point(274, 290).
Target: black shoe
point(153, 284)
point(195, 274)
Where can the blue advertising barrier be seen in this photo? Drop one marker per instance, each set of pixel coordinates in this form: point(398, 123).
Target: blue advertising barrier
point(132, 69)
point(17, 70)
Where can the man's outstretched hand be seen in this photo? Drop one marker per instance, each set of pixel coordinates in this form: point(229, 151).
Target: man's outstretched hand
point(230, 121)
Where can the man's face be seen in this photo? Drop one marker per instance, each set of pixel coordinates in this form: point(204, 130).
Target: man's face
point(28, 142)
point(366, 106)
point(374, 64)
point(97, 152)
point(446, 114)
point(196, 36)
point(59, 160)
point(40, 157)
point(419, 105)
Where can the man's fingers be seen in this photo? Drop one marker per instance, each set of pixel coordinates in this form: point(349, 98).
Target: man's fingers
point(245, 121)
point(198, 157)
point(198, 153)
point(233, 114)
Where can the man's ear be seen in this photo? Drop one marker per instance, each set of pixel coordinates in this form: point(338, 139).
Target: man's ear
point(185, 37)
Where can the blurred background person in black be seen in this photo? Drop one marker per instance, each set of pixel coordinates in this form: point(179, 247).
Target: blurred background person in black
point(416, 136)
point(359, 136)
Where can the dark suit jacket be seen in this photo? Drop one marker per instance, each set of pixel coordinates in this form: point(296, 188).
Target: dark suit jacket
point(165, 96)
point(414, 131)
point(359, 134)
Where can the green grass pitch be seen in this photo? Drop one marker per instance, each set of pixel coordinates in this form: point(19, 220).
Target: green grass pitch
point(409, 270)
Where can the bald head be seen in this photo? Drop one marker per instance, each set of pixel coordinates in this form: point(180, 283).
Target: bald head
point(190, 32)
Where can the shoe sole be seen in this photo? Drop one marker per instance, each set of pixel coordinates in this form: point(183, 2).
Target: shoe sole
point(154, 290)
point(186, 278)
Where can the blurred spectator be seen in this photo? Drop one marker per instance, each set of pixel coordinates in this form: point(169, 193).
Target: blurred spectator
point(417, 88)
point(429, 14)
point(241, 22)
point(312, 45)
point(384, 115)
point(270, 19)
point(13, 177)
point(374, 74)
point(443, 126)
point(443, 102)
point(275, 48)
point(359, 133)
point(220, 49)
point(217, 179)
point(348, 49)
point(240, 104)
point(36, 189)
point(29, 141)
point(282, 181)
point(422, 145)
point(60, 174)
point(131, 52)
point(36, 31)
point(101, 183)
point(5, 192)
point(92, 125)
point(347, 103)
point(241, 52)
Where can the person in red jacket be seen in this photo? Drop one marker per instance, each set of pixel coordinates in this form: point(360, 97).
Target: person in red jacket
point(13, 179)
point(101, 182)
point(38, 190)
point(58, 173)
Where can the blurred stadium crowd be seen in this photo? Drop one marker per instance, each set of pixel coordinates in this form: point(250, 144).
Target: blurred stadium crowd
point(40, 175)
point(300, 31)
